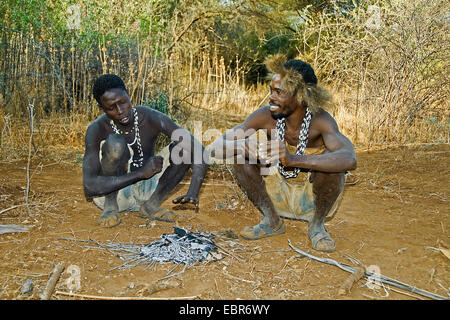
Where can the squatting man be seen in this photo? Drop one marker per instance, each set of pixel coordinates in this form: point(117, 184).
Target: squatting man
point(299, 171)
point(120, 169)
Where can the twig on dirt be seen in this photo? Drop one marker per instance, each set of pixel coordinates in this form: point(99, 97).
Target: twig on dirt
point(371, 275)
point(125, 263)
point(30, 119)
point(122, 298)
point(71, 232)
point(2, 242)
point(115, 237)
point(360, 247)
point(13, 207)
point(346, 287)
point(370, 297)
point(36, 275)
point(236, 278)
point(210, 184)
point(405, 293)
point(175, 274)
point(432, 275)
point(217, 288)
point(102, 246)
point(289, 260)
point(50, 287)
point(230, 254)
point(12, 228)
point(72, 239)
point(353, 260)
point(173, 269)
point(357, 275)
point(271, 251)
point(324, 260)
point(445, 289)
point(352, 183)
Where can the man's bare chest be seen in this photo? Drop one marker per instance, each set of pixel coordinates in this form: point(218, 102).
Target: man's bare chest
point(291, 137)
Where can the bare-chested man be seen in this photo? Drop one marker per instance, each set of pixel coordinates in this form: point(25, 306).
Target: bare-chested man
point(120, 169)
point(304, 185)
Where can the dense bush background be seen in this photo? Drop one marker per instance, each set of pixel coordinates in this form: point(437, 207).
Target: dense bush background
point(385, 61)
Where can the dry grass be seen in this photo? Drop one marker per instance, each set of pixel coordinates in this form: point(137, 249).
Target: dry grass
point(55, 136)
point(391, 85)
point(429, 126)
point(390, 70)
point(62, 135)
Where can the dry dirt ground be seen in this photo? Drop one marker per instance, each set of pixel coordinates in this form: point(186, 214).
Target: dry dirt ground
point(394, 216)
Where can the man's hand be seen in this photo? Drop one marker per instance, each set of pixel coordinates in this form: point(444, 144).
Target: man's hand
point(187, 199)
point(248, 149)
point(274, 151)
point(152, 167)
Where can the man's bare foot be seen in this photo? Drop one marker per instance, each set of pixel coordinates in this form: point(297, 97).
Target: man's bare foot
point(159, 214)
point(109, 219)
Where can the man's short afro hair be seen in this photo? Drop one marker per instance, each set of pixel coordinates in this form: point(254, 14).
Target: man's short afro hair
point(106, 82)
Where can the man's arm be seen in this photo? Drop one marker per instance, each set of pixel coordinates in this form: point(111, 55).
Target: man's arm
point(95, 184)
point(192, 152)
point(235, 143)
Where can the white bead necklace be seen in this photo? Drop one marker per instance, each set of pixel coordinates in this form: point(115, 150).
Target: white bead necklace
point(137, 140)
point(302, 141)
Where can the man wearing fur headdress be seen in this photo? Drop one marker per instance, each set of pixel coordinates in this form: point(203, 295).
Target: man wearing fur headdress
point(306, 155)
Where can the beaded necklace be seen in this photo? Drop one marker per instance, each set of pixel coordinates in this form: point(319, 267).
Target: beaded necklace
point(137, 139)
point(302, 141)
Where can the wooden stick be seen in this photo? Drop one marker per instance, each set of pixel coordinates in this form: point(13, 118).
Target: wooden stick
point(346, 287)
point(380, 277)
point(229, 253)
point(51, 283)
point(12, 228)
point(233, 277)
point(30, 142)
point(217, 288)
point(210, 184)
point(405, 293)
point(121, 298)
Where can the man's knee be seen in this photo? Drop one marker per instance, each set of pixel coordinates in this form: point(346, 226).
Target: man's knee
point(172, 145)
point(324, 182)
point(115, 147)
point(240, 168)
point(181, 160)
point(246, 170)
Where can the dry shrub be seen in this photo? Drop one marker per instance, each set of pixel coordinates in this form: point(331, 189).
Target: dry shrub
point(390, 81)
point(388, 64)
point(56, 136)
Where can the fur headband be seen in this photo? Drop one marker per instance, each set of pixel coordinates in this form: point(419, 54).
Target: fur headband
point(315, 96)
